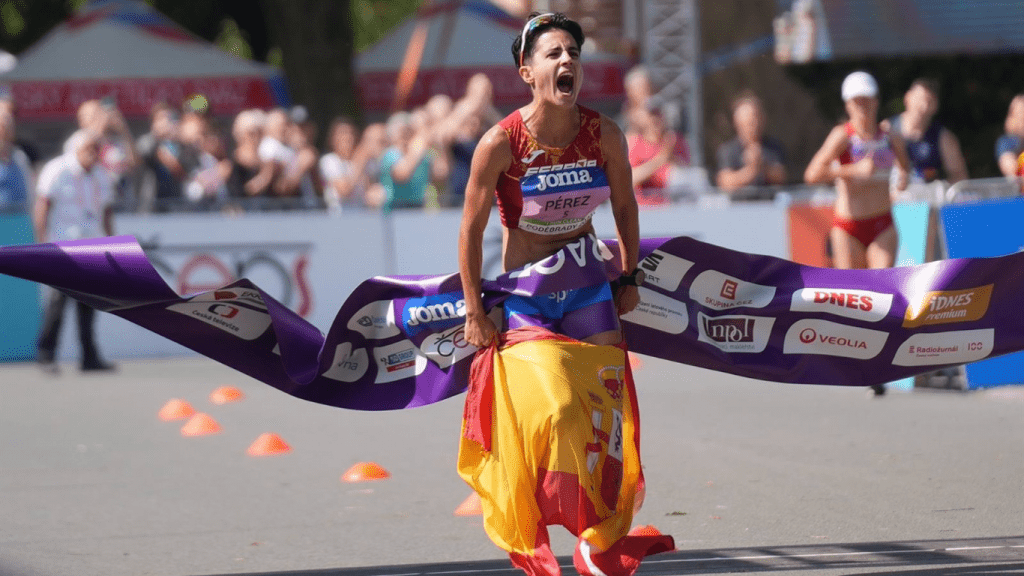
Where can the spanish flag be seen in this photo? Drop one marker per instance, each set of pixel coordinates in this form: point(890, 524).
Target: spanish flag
point(551, 435)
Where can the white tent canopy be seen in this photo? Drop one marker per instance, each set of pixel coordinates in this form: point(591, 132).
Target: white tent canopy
point(126, 49)
point(465, 37)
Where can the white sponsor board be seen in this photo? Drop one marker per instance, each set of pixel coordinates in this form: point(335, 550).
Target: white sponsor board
point(664, 270)
point(956, 347)
point(735, 333)
point(231, 316)
point(333, 254)
point(397, 361)
point(375, 321)
point(857, 304)
point(348, 365)
point(833, 339)
point(659, 312)
point(448, 347)
point(719, 291)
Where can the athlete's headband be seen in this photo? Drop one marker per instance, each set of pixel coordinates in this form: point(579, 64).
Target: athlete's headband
point(530, 26)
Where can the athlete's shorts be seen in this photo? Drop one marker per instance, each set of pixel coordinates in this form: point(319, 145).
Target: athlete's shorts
point(578, 313)
point(865, 230)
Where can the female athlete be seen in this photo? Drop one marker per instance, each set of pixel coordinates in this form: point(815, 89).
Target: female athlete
point(550, 163)
point(858, 156)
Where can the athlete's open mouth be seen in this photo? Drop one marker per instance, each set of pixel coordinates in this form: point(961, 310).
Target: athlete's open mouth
point(565, 82)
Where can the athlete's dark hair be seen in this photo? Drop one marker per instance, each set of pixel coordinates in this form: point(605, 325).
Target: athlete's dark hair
point(522, 47)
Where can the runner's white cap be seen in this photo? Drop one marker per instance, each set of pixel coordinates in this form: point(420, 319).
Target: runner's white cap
point(859, 84)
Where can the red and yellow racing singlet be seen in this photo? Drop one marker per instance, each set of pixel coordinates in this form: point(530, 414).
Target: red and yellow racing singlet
point(552, 190)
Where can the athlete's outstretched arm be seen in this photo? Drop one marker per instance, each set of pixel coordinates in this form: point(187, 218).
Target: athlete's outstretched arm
point(493, 156)
point(627, 217)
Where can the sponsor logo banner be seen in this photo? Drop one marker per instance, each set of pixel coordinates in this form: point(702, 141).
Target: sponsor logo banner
point(857, 304)
point(948, 307)
point(397, 361)
point(433, 313)
point(348, 366)
point(955, 347)
point(447, 347)
point(235, 312)
point(664, 270)
point(659, 312)
point(833, 339)
point(735, 333)
point(719, 291)
point(375, 321)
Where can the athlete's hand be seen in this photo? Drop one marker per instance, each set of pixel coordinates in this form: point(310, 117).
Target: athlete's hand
point(480, 330)
point(626, 299)
point(901, 179)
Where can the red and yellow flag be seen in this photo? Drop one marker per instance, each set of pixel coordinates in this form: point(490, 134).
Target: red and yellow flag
point(551, 436)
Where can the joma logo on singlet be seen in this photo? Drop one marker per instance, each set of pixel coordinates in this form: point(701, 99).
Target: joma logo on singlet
point(557, 167)
point(566, 178)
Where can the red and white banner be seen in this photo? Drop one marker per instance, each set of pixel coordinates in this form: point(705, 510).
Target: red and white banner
point(52, 100)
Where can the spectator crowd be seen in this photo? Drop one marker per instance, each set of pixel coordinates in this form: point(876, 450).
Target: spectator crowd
point(268, 159)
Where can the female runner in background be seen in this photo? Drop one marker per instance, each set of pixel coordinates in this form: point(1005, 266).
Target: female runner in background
point(858, 157)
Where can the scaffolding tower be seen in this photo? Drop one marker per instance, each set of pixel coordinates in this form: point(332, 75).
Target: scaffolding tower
point(671, 52)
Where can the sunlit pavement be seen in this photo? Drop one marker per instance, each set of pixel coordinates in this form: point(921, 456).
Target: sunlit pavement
point(747, 476)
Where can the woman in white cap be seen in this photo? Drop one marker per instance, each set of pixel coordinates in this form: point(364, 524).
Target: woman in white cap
point(858, 156)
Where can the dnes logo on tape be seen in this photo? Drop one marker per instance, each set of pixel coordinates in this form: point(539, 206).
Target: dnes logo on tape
point(857, 304)
point(949, 306)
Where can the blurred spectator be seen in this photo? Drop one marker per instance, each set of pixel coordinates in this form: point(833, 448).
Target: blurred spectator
point(638, 89)
point(300, 179)
point(933, 150)
point(249, 176)
point(272, 149)
point(162, 173)
point(751, 158)
point(117, 145)
point(410, 165)
point(343, 169)
point(15, 169)
point(1011, 144)
point(654, 152)
point(209, 167)
point(8, 106)
point(73, 201)
point(373, 144)
point(461, 132)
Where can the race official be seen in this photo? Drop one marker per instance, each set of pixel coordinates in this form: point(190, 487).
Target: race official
point(73, 201)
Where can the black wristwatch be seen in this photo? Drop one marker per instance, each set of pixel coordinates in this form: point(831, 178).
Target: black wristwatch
point(634, 278)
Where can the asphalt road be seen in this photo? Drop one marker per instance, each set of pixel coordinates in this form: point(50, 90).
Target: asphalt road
point(747, 476)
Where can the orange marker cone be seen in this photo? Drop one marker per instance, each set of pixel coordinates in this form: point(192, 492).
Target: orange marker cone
point(200, 425)
point(644, 530)
point(176, 410)
point(470, 506)
point(268, 444)
point(226, 394)
point(365, 471)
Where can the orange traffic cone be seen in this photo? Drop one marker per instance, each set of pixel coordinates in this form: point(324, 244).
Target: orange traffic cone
point(644, 530)
point(365, 471)
point(176, 409)
point(226, 394)
point(470, 506)
point(267, 444)
point(200, 425)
